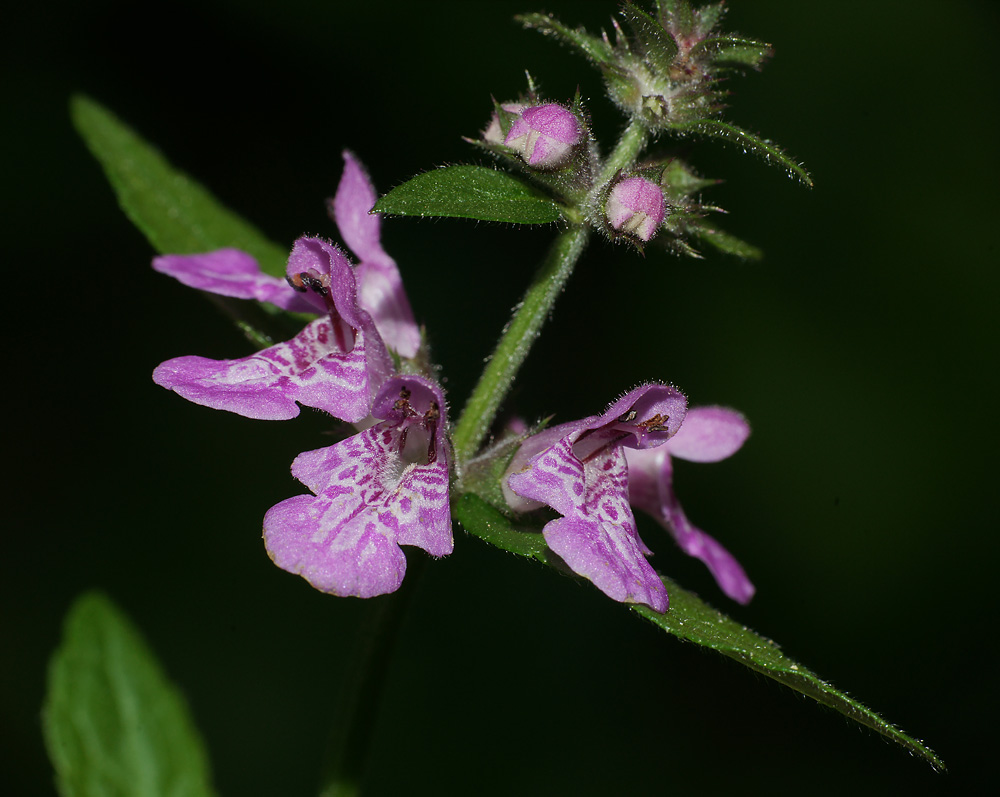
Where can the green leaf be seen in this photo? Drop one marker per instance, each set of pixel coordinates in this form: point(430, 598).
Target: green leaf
point(708, 17)
point(470, 192)
point(730, 50)
point(658, 46)
point(691, 619)
point(113, 723)
point(765, 149)
point(175, 213)
point(490, 524)
point(678, 17)
point(726, 243)
point(592, 46)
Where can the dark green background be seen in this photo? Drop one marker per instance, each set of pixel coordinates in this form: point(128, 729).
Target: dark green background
point(863, 350)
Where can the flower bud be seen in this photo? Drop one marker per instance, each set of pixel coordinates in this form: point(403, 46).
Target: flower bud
point(545, 135)
point(636, 206)
point(493, 134)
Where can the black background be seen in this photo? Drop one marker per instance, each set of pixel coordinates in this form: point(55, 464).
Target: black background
point(863, 350)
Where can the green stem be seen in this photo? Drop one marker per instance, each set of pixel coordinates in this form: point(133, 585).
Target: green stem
point(514, 345)
point(534, 309)
point(361, 690)
point(625, 152)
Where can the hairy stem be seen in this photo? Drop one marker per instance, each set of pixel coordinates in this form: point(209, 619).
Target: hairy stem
point(516, 341)
point(625, 152)
point(526, 323)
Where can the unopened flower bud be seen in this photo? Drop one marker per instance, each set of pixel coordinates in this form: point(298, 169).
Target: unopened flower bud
point(636, 206)
point(544, 135)
point(493, 134)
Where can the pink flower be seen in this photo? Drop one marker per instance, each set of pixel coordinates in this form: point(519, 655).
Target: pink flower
point(336, 363)
point(545, 135)
point(635, 205)
point(579, 469)
point(384, 487)
point(708, 434)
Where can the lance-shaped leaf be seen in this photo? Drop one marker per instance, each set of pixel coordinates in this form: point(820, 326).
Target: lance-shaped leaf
point(708, 17)
point(174, 212)
point(677, 16)
point(726, 242)
point(470, 192)
point(113, 722)
point(691, 619)
point(595, 48)
point(765, 149)
point(658, 46)
point(732, 51)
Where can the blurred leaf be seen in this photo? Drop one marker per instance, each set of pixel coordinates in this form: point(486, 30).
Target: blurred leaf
point(693, 620)
point(729, 50)
point(658, 46)
point(593, 47)
point(678, 17)
point(113, 723)
point(726, 243)
point(749, 142)
point(708, 17)
point(470, 192)
point(175, 213)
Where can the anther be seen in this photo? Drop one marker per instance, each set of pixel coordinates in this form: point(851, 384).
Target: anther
point(658, 423)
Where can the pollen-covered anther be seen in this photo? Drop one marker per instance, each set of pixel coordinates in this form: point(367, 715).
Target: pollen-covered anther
point(310, 281)
point(403, 402)
point(431, 419)
point(658, 423)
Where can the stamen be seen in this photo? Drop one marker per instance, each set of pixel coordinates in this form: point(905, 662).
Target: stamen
point(658, 423)
point(431, 421)
point(320, 285)
point(403, 402)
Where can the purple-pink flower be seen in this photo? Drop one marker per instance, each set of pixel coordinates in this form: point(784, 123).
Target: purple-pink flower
point(544, 135)
point(579, 469)
point(384, 487)
point(636, 205)
point(380, 287)
point(336, 363)
point(230, 272)
point(708, 434)
point(387, 485)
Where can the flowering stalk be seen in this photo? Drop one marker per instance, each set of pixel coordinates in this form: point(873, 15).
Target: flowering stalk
point(625, 152)
point(516, 342)
point(524, 326)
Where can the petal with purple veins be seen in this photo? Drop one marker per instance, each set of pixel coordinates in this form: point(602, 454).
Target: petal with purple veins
point(310, 369)
point(596, 536)
point(371, 497)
